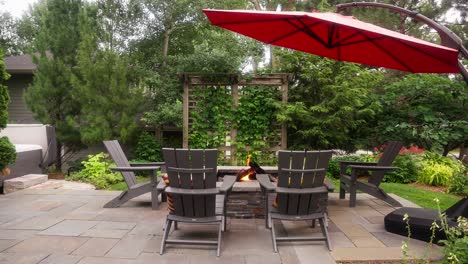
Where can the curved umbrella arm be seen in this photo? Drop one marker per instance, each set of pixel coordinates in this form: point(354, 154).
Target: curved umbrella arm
point(448, 37)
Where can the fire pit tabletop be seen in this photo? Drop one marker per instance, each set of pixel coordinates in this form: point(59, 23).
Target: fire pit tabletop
point(235, 169)
point(224, 170)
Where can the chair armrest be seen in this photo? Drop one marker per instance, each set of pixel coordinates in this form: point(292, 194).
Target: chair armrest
point(228, 182)
point(316, 190)
point(303, 171)
point(144, 164)
point(145, 168)
point(161, 185)
point(329, 184)
point(349, 162)
point(188, 170)
point(265, 182)
point(173, 190)
point(372, 168)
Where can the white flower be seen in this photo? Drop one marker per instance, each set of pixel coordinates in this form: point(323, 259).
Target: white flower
point(405, 217)
point(404, 246)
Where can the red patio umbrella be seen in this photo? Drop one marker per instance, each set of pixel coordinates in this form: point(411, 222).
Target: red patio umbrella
point(339, 37)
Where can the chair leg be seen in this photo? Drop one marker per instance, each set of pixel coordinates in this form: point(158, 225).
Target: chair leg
point(352, 196)
point(176, 226)
point(223, 221)
point(325, 232)
point(273, 235)
point(342, 190)
point(313, 224)
point(267, 222)
point(218, 250)
point(154, 199)
point(167, 228)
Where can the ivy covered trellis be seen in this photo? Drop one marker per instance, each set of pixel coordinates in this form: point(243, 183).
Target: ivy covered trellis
point(235, 114)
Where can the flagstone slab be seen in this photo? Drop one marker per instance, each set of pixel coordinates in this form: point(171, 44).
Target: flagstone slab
point(69, 228)
point(17, 234)
point(340, 240)
point(313, 251)
point(115, 225)
point(16, 258)
point(367, 254)
point(96, 247)
point(35, 223)
point(48, 244)
point(7, 243)
point(353, 230)
point(366, 241)
point(271, 258)
point(105, 233)
point(104, 260)
point(61, 259)
point(152, 258)
point(128, 247)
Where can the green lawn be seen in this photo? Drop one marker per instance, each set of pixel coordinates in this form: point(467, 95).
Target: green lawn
point(416, 195)
point(421, 197)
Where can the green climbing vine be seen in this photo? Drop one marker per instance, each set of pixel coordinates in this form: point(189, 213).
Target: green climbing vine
point(254, 117)
point(211, 118)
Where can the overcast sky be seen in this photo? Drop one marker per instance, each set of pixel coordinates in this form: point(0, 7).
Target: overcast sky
point(15, 7)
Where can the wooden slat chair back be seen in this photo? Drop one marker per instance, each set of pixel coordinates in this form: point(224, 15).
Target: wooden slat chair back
point(182, 166)
point(117, 154)
point(302, 169)
point(388, 156)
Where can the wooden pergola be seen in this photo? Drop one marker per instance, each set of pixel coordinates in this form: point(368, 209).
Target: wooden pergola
point(233, 83)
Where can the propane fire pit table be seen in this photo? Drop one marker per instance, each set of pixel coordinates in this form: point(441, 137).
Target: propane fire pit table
point(246, 199)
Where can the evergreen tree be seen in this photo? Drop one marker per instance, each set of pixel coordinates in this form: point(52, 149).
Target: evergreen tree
point(104, 85)
point(55, 48)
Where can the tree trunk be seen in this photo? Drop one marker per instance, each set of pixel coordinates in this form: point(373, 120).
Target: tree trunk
point(58, 156)
point(463, 156)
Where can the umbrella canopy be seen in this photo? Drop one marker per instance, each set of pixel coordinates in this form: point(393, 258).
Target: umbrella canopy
point(339, 37)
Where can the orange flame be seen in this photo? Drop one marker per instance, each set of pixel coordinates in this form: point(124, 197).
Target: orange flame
point(246, 177)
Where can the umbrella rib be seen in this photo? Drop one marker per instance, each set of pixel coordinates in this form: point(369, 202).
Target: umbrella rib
point(310, 33)
point(291, 33)
point(388, 53)
point(330, 36)
point(340, 43)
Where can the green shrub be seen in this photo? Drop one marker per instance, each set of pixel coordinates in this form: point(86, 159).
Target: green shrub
point(459, 182)
point(438, 170)
point(97, 172)
point(407, 171)
point(148, 148)
point(7, 153)
point(333, 170)
point(435, 174)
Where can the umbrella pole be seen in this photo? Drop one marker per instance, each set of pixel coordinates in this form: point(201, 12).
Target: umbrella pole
point(448, 37)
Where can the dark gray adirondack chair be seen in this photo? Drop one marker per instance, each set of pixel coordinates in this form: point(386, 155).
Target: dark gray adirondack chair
point(127, 169)
point(192, 185)
point(378, 169)
point(301, 192)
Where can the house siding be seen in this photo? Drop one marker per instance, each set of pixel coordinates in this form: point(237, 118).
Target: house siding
point(18, 112)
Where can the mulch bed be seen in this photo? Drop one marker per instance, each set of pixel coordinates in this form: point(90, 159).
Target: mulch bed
point(440, 189)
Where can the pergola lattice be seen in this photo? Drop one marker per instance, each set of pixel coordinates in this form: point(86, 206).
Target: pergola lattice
point(234, 85)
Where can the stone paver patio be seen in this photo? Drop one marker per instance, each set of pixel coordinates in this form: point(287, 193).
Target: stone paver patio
point(71, 226)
